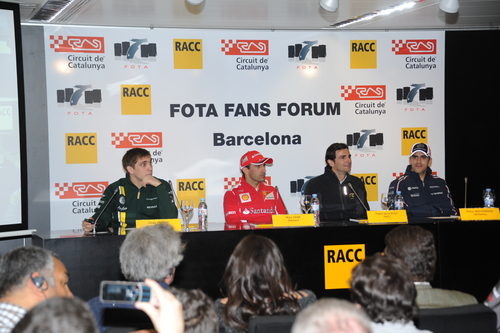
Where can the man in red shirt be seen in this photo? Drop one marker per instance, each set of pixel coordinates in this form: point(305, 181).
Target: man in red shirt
point(252, 201)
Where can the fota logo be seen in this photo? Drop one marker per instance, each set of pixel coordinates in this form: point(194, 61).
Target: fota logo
point(74, 95)
point(80, 44)
point(296, 185)
point(135, 49)
point(363, 92)
point(414, 46)
point(365, 138)
point(81, 148)
point(363, 54)
point(339, 260)
point(80, 190)
point(410, 136)
point(137, 140)
point(370, 180)
point(191, 189)
point(230, 182)
point(136, 99)
point(188, 53)
point(416, 92)
point(245, 47)
point(307, 50)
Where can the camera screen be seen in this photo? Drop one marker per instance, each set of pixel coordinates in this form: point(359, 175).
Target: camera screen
point(125, 292)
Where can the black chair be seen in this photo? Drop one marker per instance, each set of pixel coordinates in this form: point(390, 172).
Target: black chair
point(476, 318)
point(271, 324)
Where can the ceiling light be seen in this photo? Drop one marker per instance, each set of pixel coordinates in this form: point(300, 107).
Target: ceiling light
point(329, 5)
point(449, 6)
point(195, 2)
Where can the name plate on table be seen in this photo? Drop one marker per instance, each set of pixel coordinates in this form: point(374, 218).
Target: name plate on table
point(386, 216)
point(175, 223)
point(293, 220)
point(479, 214)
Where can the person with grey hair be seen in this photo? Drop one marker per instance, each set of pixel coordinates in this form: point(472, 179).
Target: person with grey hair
point(329, 315)
point(28, 276)
point(152, 252)
point(58, 314)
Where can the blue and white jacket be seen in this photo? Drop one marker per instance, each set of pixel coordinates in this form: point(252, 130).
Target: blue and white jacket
point(430, 197)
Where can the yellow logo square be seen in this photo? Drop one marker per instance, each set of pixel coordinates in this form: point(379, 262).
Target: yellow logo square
point(410, 136)
point(339, 260)
point(363, 53)
point(188, 53)
point(371, 185)
point(81, 148)
point(191, 189)
point(136, 99)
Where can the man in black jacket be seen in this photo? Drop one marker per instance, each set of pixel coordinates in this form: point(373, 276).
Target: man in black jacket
point(424, 194)
point(342, 196)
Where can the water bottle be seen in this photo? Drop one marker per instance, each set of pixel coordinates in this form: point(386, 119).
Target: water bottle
point(488, 198)
point(399, 203)
point(315, 209)
point(202, 215)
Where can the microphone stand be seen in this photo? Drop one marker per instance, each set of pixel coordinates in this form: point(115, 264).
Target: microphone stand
point(173, 192)
point(357, 196)
point(102, 211)
point(280, 198)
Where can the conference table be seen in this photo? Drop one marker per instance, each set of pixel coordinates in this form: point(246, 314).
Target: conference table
point(468, 255)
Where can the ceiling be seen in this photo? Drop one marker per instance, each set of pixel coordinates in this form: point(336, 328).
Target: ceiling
point(266, 14)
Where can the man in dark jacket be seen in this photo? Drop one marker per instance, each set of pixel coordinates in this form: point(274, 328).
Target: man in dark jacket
point(424, 194)
point(342, 196)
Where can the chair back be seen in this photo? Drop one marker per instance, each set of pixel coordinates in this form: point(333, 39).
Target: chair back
point(476, 318)
point(271, 324)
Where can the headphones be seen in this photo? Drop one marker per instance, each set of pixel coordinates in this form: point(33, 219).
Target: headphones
point(39, 282)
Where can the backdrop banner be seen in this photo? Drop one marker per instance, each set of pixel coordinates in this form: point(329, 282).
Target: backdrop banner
point(199, 99)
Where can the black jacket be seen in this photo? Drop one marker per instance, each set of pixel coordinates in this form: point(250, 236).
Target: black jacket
point(337, 201)
point(430, 197)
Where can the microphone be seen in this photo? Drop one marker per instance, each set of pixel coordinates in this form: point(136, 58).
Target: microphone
point(357, 196)
point(173, 192)
point(280, 198)
point(465, 192)
point(102, 211)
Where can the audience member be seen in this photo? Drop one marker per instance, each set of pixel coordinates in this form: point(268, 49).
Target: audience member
point(493, 302)
point(198, 311)
point(416, 248)
point(384, 289)
point(56, 315)
point(257, 283)
point(331, 316)
point(151, 252)
point(28, 276)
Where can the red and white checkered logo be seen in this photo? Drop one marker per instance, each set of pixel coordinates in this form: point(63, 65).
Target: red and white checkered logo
point(137, 140)
point(80, 190)
point(362, 92)
point(245, 47)
point(414, 46)
point(230, 182)
point(79, 44)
